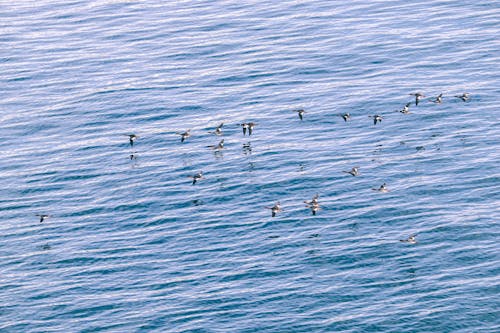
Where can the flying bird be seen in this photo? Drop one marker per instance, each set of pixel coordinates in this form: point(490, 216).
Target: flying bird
point(464, 97)
point(131, 138)
point(382, 188)
point(218, 129)
point(439, 99)
point(314, 200)
point(406, 109)
point(411, 239)
point(300, 112)
point(418, 97)
point(275, 209)
point(353, 172)
point(197, 177)
point(346, 116)
point(376, 118)
point(250, 128)
point(314, 207)
point(218, 146)
point(42, 217)
point(184, 135)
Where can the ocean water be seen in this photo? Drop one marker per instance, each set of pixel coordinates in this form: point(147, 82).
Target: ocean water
point(132, 246)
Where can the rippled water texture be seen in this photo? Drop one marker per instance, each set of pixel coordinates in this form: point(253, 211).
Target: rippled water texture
point(132, 246)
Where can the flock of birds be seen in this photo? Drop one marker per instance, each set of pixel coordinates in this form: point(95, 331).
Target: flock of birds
point(313, 204)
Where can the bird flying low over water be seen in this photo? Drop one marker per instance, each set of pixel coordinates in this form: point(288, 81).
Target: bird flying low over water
point(247, 126)
point(353, 172)
point(464, 97)
point(313, 204)
point(382, 188)
point(406, 109)
point(418, 97)
point(314, 207)
point(218, 129)
point(42, 217)
point(184, 135)
point(314, 200)
point(438, 99)
point(131, 138)
point(197, 177)
point(275, 209)
point(376, 118)
point(346, 116)
point(219, 146)
point(250, 128)
point(244, 127)
point(411, 239)
point(300, 112)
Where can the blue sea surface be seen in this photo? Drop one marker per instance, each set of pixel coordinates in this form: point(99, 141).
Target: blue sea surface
point(131, 245)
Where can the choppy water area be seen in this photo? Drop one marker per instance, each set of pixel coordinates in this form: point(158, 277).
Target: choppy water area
point(132, 246)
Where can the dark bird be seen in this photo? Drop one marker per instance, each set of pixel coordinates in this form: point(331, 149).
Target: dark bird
point(354, 171)
point(346, 116)
point(42, 217)
point(376, 118)
point(314, 200)
point(300, 112)
point(314, 207)
point(275, 209)
point(244, 127)
point(250, 128)
point(197, 177)
point(218, 129)
point(418, 97)
point(219, 146)
point(411, 239)
point(438, 100)
point(406, 109)
point(131, 138)
point(382, 188)
point(464, 97)
point(184, 135)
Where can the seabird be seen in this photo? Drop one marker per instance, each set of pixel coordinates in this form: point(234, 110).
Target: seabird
point(314, 200)
point(42, 217)
point(314, 207)
point(219, 146)
point(198, 176)
point(184, 135)
point(411, 239)
point(244, 127)
point(376, 118)
point(439, 99)
point(218, 130)
point(300, 113)
point(418, 97)
point(354, 171)
point(131, 138)
point(382, 188)
point(464, 97)
point(275, 209)
point(406, 109)
point(250, 128)
point(346, 116)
